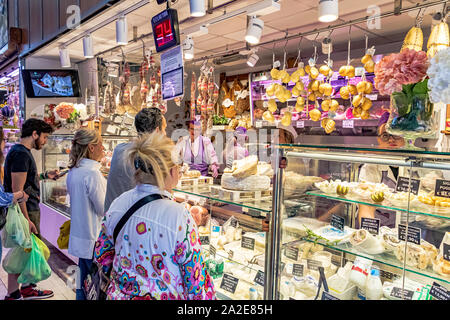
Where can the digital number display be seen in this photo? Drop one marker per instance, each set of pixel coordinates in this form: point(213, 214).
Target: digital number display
point(164, 32)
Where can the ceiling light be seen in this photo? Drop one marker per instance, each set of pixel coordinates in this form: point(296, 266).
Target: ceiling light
point(254, 30)
point(64, 57)
point(264, 7)
point(188, 48)
point(4, 80)
point(197, 8)
point(88, 47)
point(13, 74)
point(328, 10)
point(122, 31)
point(252, 60)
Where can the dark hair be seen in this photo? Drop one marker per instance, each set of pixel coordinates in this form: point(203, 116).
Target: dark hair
point(2, 156)
point(37, 125)
point(147, 120)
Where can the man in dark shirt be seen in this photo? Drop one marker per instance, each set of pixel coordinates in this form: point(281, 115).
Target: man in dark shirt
point(21, 175)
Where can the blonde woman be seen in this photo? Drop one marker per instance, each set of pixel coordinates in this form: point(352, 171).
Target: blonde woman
point(87, 188)
point(157, 253)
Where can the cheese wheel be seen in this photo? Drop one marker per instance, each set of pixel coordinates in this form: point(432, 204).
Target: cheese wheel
point(252, 183)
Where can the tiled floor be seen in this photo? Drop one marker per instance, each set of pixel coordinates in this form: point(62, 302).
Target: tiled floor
point(57, 281)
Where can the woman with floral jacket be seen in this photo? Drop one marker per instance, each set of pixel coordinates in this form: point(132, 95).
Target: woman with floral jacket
point(157, 254)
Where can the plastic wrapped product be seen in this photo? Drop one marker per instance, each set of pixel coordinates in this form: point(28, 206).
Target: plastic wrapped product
point(416, 256)
point(363, 240)
point(251, 183)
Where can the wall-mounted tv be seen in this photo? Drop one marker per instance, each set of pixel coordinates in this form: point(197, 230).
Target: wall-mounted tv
point(51, 83)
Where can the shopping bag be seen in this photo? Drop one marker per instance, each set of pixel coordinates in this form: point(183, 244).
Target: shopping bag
point(37, 268)
point(64, 233)
point(16, 260)
point(17, 229)
point(45, 250)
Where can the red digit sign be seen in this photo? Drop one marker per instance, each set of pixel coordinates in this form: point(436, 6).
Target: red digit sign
point(159, 33)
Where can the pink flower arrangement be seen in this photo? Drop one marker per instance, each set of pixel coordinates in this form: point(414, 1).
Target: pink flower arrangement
point(393, 71)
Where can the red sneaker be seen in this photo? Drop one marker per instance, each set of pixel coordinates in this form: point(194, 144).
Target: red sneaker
point(29, 293)
point(8, 298)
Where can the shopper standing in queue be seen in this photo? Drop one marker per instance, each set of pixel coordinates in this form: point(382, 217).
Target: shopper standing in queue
point(87, 188)
point(157, 253)
point(21, 175)
point(120, 177)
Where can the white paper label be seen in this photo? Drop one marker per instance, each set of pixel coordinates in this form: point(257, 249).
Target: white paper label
point(300, 124)
point(258, 124)
point(359, 71)
point(348, 123)
point(372, 97)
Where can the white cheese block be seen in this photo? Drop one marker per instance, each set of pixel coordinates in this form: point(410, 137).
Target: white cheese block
point(252, 183)
point(246, 167)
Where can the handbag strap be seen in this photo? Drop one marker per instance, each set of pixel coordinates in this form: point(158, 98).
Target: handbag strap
point(132, 210)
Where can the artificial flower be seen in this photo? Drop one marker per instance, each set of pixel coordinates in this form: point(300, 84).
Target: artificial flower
point(439, 73)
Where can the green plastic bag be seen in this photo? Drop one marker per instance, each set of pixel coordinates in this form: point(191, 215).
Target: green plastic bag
point(17, 230)
point(16, 260)
point(45, 250)
point(37, 268)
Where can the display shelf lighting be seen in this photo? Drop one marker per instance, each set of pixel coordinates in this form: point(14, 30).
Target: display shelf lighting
point(88, 49)
point(188, 48)
point(122, 31)
point(4, 80)
point(328, 10)
point(64, 57)
point(197, 8)
point(252, 60)
point(254, 30)
point(13, 74)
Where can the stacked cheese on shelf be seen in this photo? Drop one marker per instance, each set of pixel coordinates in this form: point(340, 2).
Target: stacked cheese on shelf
point(243, 176)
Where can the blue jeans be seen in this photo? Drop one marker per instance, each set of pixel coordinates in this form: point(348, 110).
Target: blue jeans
point(85, 267)
point(0, 248)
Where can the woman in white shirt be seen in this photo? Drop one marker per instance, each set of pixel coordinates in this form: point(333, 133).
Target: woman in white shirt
point(157, 253)
point(87, 188)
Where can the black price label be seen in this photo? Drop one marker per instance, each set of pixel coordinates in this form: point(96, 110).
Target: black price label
point(248, 243)
point(229, 283)
point(371, 225)
point(403, 183)
point(413, 234)
point(297, 270)
point(212, 251)
point(402, 293)
point(259, 279)
point(234, 222)
point(282, 265)
point(388, 275)
point(313, 264)
point(337, 222)
point(442, 188)
point(446, 251)
point(327, 296)
point(204, 240)
point(291, 253)
point(439, 292)
point(254, 213)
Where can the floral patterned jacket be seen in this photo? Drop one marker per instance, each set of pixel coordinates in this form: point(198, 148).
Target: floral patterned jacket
point(157, 254)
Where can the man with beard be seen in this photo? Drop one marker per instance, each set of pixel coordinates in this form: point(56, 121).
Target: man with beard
point(21, 175)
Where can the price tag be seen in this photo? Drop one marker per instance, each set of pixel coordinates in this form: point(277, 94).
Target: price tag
point(388, 275)
point(259, 279)
point(327, 296)
point(439, 292)
point(212, 250)
point(413, 234)
point(254, 212)
point(291, 253)
point(403, 183)
point(348, 123)
point(258, 124)
point(204, 240)
point(446, 251)
point(248, 243)
point(282, 265)
point(234, 222)
point(229, 283)
point(442, 188)
point(371, 225)
point(337, 222)
point(300, 124)
point(372, 97)
point(402, 294)
point(313, 264)
point(297, 270)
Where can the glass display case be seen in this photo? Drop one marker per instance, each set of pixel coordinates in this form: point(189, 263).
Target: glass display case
point(346, 218)
point(56, 156)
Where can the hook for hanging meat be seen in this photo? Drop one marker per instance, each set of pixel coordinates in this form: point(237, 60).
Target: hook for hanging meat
point(143, 47)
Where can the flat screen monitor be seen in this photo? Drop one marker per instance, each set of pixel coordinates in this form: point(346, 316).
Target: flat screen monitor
point(51, 83)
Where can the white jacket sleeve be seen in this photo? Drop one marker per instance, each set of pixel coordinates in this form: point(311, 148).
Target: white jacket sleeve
point(211, 155)
point(96, 190)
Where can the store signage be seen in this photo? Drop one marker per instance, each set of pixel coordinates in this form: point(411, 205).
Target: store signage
point(166, 30)
point(248, 243)
point(172, 73)
point(371, 225)
point(442, 188)
point(229, 283)
point(402, 293)
point(291, 253)
point(413, 234)
point(204, 240)
point(337, 222)
point(313, 264)
point(259, 279)
point(403, 184)
point(348, 123)
point(297, 270)
point(327, 296)
point(446, 251)
point(300, 124)
point(212, 250)
point(439, 292)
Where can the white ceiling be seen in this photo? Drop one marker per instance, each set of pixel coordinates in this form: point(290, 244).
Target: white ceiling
point(294, 17)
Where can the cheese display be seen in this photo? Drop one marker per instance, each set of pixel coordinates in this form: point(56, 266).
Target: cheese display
point(296, 226)
point(364, 241)
point(252, 183)
point(247, 175)
point(295, 183)
point(245, 168)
